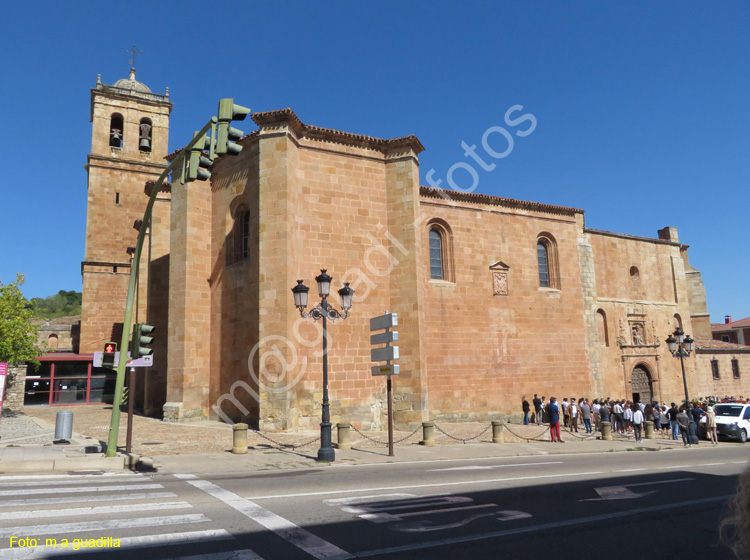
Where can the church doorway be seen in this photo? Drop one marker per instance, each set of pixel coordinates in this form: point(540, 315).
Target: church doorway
point(642, 388)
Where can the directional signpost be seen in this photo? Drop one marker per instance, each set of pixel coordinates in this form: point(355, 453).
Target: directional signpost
point(386, 354)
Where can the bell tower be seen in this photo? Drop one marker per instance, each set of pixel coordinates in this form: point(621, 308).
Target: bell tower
point(129, 142)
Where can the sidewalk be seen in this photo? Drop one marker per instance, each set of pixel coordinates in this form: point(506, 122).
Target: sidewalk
point(26, 444)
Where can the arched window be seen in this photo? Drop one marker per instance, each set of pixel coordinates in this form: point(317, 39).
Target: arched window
point(52, 342)
point(244, 242)
point(677, 321)
point(116, 130)
point(542, 257)
point(436, 255)
point(546, 256)
point(635, 281)
point(238, 240)
point(601, 324)
point(441, 250)
point(144, 135)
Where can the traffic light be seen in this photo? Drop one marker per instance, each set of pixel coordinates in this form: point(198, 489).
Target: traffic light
point(199, 163)
point(226, 135)
point(108, 354)
point(140, 336)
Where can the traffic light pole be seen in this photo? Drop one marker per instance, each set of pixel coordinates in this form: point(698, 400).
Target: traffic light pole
point(131, 395)
point(114, 425)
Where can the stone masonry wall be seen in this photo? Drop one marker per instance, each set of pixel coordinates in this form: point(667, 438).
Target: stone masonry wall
point(590, 311)
point(727, 384)
point(485, 351)
point(653, 300)
point(188, 357)
point(234, 288)
point(14, 388)
point(328, 200)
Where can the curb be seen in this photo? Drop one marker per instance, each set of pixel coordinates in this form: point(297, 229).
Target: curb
point(80, 462)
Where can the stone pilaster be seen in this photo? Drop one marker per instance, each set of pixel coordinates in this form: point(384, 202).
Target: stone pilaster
point(189, 302)
point(405, 240)
point(279, 249)
point(590, 307)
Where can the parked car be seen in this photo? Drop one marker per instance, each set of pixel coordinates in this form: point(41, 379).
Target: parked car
point(732, 421)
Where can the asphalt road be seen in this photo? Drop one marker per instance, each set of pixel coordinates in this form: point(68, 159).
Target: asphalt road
point(611, 505)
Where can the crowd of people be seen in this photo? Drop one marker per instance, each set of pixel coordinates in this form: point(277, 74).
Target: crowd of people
point(671, 421)
point(625, 417)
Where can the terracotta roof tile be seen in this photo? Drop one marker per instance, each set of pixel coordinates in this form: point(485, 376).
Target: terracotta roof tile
point(711, 344)
point(166, 186)
point(478, 198)
point(738, 324)
point(269, 118)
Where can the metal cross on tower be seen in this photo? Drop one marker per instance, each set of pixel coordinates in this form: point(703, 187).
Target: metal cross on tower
point(133, 51)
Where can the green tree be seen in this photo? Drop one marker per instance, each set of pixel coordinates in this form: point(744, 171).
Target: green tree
point(62, 304)
point(18, 336)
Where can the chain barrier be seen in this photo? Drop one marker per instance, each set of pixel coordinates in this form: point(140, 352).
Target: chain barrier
point(384, 442)
point(439, 429)
point(286, 445)
point(575, 435)
point(535, 438)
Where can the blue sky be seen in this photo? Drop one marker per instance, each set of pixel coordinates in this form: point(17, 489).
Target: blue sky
point(642, 108)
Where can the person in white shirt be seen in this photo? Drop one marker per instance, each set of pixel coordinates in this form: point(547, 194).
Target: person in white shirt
point(619, 420)
point(573, 415)
point(595, 408)
point(627, 414)
point(637, 422)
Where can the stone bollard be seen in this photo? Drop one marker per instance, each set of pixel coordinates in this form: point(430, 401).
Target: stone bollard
point(428, 431)
point(607, 430)
point(649, 429)
point(498, 431)
point(239, 445)
point(343, 439)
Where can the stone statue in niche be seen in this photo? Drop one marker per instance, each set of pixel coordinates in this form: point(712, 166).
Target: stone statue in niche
point(637, 335)
point(500, 283)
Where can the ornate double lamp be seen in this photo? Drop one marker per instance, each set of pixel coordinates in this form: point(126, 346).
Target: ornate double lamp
point(324, 311)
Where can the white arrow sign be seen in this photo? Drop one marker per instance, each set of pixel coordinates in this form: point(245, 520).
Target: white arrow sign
point(624, 492)
point(384, 321)
point(616, 493)
point(384, 338)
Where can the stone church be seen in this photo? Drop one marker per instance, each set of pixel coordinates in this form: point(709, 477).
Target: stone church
point(496, 298)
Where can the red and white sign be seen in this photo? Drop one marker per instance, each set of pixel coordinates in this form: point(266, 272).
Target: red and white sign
point(3, 375)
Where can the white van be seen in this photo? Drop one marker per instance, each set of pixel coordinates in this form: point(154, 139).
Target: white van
point(732, 421)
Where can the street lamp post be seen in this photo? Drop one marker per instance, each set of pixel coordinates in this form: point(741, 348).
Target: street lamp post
point(681, 346)
point(324, 311)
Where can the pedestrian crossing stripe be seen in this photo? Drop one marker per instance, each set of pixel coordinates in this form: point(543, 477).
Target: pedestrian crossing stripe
point(96, 510)
point(77, 499)
point(72, 481)
point(113, 524)
point(70, 476)
point(78, 489)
